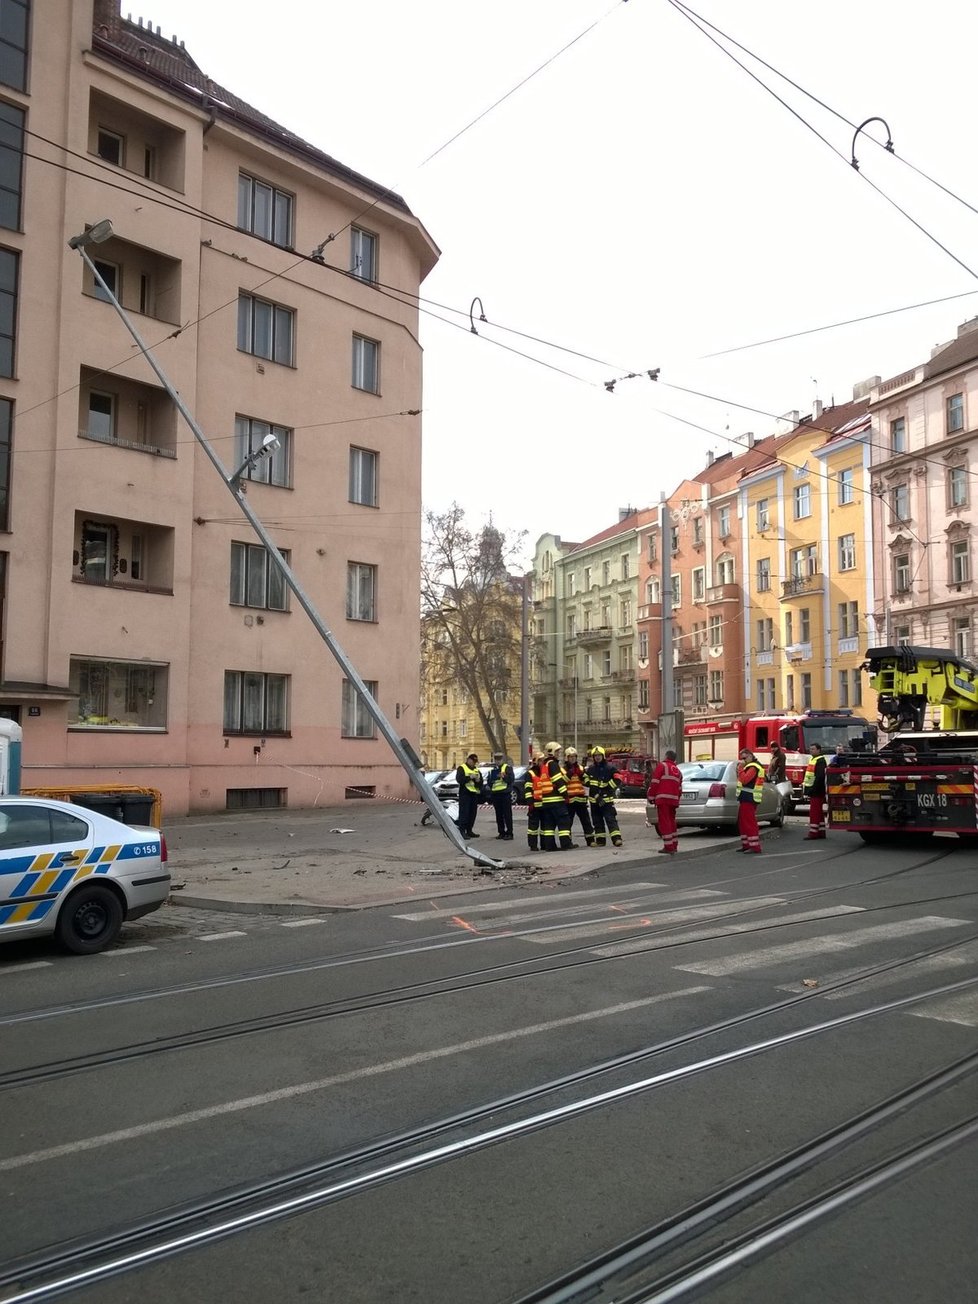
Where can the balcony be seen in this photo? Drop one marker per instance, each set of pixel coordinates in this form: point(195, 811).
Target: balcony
point(690, 656)
point(798, 651)
point(623, 676)
point(126, 413)
point(143, 280)
point(568, 683)
point(584, 637)
point(722, 593)
point(135, 142)
point(765, 658)
point(802, 586)
point(650, 611)
point(847, 645)
point(111, 552)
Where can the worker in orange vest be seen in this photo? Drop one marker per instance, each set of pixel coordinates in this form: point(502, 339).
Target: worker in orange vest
point(577, 794)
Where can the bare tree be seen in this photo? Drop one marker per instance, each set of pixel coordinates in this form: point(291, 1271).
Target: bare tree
point(471, 614)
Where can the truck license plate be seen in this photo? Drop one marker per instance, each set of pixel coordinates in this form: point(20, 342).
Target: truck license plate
point(842, 817)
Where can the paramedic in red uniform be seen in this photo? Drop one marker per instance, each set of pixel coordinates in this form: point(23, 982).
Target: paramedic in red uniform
point(665, 787)
point(750, 788)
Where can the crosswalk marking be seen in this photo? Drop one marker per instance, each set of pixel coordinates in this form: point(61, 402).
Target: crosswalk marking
point(961, 1008)
point(824, 943)
point(741, 926)
point(302, 923)
point(654, 918)
point(127, 950)
point(927, 964)
point(28, 964)
point(620, 896)
point(219, 937)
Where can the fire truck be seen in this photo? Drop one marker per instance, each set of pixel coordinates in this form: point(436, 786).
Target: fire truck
point(924, 778)
point(832, 730)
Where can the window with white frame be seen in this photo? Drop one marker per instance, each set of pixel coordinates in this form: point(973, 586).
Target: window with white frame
point(961, 635)
point(847, 552)
point(625, 612)
point(266, 330)
point(856, 696)
point(848, 619)
point(677, 590)
point(255, 702)
point(699, 584)
point(363, 254)
point(723, 522)
point(571, 624)
point(606, 615)
point(804, 561)
point(898, 435)
point(363, 476)
point(960, 561)
point(643, 694)
point(715, 632)
point(588, 666)
point(763, 514)
point(806, 692)
point(803, 501)
point(272, 467)
point(789, 628)
point(761, 698)
point(101, 416)
point(725, 570)
point(653, 552)
point(587, 578)
point(805, 625)
point(697, 529)
point(699, 690)
point(357, 721)
point(361, 591)
point(954, 407)
point(674, 539)
point(763, 574)
point(957, 487)
point(255, 580)
point(716, 687)
point(847, 486)
point(652, 591)
point(625, 563)
point(366, 364)
point(843, 687)
point(901, 572)
point(625, 657)
point(901, 633)
point(765, 634)
point(789, 692)
point(571, 584)
point(643, 645)
point(900, 502)
point(606, 663)
point(264, 210)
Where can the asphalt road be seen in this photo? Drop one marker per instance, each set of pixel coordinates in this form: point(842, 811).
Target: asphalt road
point(466, 1099)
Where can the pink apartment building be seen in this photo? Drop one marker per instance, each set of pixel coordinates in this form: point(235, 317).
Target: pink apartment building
point(924, 461)
point(145, 639)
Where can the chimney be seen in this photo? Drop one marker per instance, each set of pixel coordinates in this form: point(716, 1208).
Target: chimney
point(709, 457)
point(625, 512)
point(862, 388)
point(967, 327)
point(749, 439)
point(817, 410)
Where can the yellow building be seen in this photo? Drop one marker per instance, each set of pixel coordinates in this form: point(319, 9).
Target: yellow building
point(808, 564)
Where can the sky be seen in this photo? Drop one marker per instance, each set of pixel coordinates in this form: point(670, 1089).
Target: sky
point(640, 202)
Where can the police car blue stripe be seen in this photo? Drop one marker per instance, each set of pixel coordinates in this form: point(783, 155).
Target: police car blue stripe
point(139, 850)
point(25, 885)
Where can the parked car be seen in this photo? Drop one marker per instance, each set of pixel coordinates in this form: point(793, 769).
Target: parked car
point(75, 873)
point(447, 786)
point(709, 797)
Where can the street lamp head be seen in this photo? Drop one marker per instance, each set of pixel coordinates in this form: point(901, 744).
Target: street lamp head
point(96, 234)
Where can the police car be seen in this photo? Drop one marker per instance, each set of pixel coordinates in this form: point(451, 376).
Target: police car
point(75, 873)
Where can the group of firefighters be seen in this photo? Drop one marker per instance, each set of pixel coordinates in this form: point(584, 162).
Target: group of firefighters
point(558, 791)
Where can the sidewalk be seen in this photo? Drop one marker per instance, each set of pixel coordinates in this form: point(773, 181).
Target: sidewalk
point(365, 854)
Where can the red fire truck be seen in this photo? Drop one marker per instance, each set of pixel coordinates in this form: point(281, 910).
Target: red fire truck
point(834, 730)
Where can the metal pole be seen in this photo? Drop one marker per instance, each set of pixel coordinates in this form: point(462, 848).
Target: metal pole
point(665, 534)
point(381, 721)
point(525, 670)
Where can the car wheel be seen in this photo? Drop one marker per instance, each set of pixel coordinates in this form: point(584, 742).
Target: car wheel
point(90, 920)
point(778, 821)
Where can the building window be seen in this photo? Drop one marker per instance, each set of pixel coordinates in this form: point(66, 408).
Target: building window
point(588, 666)
point(117, 694)
point(847, 486)
point(643, 645)
point(789, 692)
point(255, 703)
point(699, 584)
point(843, 687)
point(697, 529)
point(624, 565)
point(856, 697)
point(847, 552)
point(361, 591)
point(643, 694)
point(677, 590)
point(625, 612)
point(357, 720)
point(957, 487)
point(725, 570)
point(8, 310)
point(765, 634)
point(806, 692)
point(6, 431)
point(264, 211)
point(625, 657)
point(363, 477)
point(961, 635)
point(606, 664)
point(789, 625)
point(674, 539)
point(723, 522)
point(804, 562)
point(716, 688)
point(366, 364)
point(652, 588)
point(363, 254)
point(255, 580)
point(266, 330)
point(101, 416)
point(275, 467)
point(11, 159)
point(898, 435)
point(571, 585)
point(763, 574)
point(605, 574)
point(803, 501)
point(960, 561)
point(805, 622)
point(900, 502)
point(699, 690)
point(760, 695)
point(848, 619)
point(901, 572)
point(901, 634)
point(112, 276)
point(653, 553)
point(763, 514)
point(715, 634)
point(111, 147)
point(954, 406)
point(587, 578)
point(14, 19)
point(571, 624)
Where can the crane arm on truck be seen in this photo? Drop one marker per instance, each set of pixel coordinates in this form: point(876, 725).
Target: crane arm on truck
point(911, 679)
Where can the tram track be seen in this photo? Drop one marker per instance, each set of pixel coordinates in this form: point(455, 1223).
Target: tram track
point(69, 1266)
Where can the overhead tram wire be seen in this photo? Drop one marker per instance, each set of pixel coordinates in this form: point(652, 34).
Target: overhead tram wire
point(679, 4)
point(824, 139)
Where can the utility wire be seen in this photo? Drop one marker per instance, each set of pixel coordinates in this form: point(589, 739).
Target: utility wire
point(824, 139)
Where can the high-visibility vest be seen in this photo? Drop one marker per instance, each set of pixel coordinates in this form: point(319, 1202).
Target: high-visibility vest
point(543, 786)
point(473, 778)
point(812, 775)
point(746, 783)
point(575, 782)
point(500, 783)
point(666, 785)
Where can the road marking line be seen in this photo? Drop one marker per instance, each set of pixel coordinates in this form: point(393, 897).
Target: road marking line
point(929, 964)
point(826, 942)
point(126, 950)
point(218, 937)
point(302, 923)
point(961, 1008)
point(527, 901)
point(337, 1079)
point(653, 918)
point(28, 964)
point(719, 913)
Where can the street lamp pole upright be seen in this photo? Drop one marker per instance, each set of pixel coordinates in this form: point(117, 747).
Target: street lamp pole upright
point(102, 231)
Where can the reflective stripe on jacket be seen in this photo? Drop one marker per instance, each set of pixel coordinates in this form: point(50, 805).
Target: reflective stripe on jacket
point(750, 781)
point(575, 782)
point(814, 781)
point(472, 778)
point(501, 778)
point(666, 785)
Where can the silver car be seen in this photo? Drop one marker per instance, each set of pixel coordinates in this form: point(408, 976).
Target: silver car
point(709, 797)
